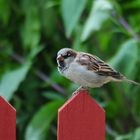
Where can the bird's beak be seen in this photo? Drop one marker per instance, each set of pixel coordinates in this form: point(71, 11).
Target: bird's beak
point(60, 58)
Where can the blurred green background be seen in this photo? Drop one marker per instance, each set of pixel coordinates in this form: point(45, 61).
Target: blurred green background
point(31, 33)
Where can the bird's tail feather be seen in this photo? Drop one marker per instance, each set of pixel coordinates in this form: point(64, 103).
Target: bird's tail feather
point(131, 81)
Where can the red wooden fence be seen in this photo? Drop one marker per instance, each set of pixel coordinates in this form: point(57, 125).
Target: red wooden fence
point(7, 121)
point(81, 118)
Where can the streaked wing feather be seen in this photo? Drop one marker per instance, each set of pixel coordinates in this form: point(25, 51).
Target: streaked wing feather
point(98, 66)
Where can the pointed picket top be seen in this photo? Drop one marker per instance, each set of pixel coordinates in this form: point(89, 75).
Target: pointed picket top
point(7, 121)
point(81, 118)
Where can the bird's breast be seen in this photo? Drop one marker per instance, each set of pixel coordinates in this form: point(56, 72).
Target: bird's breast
point(80, 75)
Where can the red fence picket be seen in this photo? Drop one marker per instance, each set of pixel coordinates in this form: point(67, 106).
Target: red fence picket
point(81, 118)
point(7, 121)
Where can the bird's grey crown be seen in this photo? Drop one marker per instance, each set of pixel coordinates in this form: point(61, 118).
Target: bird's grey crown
point(64, 51)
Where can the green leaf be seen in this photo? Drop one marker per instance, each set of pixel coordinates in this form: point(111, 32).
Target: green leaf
point(136, 135)
point(100, 12)
point(39, 125)
point(71, 12)
point(77, 44)
point(50, 4)
point(130, 136)
point(124, 137)
point(11, 81)
point(35, 51)
point(126, 58)
point(5, 11)
point(30, 30)
point(52, 95)
point(132, 4)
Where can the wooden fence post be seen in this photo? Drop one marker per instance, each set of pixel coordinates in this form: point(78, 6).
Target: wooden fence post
point(81, 118)
point(7, 121)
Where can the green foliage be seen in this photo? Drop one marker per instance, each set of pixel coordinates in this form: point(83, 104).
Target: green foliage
point(4, 11)
point(71, 12)
point(134, 136)
point(41, 121)
point(127, 53)
point(100, 12)
point(32, 31)
point(12, 80)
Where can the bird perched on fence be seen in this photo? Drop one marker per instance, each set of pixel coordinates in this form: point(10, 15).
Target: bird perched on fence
point(87, 70)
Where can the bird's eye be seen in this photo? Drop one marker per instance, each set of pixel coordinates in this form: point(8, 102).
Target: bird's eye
point(67, 55)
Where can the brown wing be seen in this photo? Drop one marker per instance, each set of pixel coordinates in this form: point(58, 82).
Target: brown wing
point(98, 66)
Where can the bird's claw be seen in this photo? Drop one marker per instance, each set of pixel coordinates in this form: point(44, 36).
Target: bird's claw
point(81, 88)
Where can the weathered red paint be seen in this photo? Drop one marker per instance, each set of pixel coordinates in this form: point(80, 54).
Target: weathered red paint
point(81, 118)
point(7, 121)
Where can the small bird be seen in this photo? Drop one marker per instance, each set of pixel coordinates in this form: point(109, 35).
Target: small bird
point(87, 70)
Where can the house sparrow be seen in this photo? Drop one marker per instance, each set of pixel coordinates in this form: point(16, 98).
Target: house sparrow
point(87, 70)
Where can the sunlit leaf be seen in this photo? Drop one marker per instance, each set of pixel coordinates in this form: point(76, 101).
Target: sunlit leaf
point(130, 136)
point(100, 12)
point(124, 137)
point(11, 81)
point(126, 58)
point(39, 125)
point(136, 134)
point(71, 12)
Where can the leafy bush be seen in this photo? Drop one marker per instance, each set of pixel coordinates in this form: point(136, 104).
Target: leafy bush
point(32, 31)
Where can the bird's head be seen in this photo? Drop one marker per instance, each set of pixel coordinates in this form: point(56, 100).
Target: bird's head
point(65, 57)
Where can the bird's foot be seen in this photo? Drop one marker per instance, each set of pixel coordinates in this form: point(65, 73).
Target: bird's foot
point(81, 88)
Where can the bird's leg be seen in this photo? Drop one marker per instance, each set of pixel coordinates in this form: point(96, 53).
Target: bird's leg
point(79, 89)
